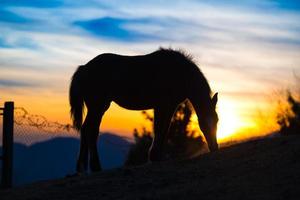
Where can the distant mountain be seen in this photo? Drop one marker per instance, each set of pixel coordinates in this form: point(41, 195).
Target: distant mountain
point(57, 157)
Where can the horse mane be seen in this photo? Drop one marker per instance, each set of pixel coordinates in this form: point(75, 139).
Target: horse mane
point(180, 53)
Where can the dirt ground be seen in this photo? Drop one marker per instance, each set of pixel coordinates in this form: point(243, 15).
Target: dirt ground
point(260, 169)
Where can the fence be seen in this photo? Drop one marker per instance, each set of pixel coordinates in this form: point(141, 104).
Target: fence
point(21, 128)
point(7, 144)
point(32, 128)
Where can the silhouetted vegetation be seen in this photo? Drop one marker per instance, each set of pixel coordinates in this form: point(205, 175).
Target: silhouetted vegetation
point(289, 119)
point(182, 141)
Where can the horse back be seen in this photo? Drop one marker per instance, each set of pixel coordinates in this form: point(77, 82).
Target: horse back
point(152, 78)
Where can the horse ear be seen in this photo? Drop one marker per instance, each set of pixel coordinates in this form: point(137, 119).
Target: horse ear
point(214, 100)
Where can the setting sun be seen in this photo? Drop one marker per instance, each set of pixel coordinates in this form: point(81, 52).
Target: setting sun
point(229, 121)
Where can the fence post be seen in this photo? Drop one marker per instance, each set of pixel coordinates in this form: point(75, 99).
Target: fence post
point(7, 145)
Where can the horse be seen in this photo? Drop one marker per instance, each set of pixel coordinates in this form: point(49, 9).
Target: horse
point(160, 80)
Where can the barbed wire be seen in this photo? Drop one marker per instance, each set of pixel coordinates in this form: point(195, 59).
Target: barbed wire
point(23, 117)
point(26, 122)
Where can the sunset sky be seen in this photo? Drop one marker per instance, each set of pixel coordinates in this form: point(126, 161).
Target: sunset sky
point(246, 49)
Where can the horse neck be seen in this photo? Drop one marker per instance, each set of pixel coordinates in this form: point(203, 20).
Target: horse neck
point(201, 100)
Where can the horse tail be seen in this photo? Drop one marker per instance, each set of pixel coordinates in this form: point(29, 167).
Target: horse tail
point(76, 98)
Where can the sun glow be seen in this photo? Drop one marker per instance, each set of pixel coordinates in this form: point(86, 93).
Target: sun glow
point(229, 121)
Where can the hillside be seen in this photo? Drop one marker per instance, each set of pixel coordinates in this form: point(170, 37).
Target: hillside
point(54, 158)
point(260, 169)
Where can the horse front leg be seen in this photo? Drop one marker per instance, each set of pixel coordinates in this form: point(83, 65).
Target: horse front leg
point(82, 162)
point(162, 120)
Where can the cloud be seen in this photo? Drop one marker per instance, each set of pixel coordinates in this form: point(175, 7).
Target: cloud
point(14, 83)
point(3, 43)
point(18, 42)
point(191, 22)
point(32, 3)
point(120, 28)
point(7, 16)
point(287, 4)
point(110, 28)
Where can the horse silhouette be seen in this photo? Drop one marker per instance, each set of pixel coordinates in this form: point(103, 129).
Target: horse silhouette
point(160, 80)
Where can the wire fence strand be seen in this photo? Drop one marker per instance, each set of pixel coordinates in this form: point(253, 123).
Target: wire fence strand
point(32, 128)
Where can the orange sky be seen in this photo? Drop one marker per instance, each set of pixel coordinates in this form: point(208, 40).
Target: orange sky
point(118, 120)
point(247, 51)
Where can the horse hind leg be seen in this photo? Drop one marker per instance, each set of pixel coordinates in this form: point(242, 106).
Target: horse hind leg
point(91, 127)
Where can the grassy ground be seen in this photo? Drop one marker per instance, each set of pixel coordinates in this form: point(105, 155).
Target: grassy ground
point(261, 169)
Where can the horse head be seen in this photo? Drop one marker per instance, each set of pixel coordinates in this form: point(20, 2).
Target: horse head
point(208, 124)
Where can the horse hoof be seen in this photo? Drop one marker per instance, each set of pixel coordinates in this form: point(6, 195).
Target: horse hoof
point(71, 175)
point(77, 174)
point(96, 170)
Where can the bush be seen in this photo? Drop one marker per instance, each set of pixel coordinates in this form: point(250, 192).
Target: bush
point(289, 120)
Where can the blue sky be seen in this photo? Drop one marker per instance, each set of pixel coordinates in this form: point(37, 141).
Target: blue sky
point(246, 48)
